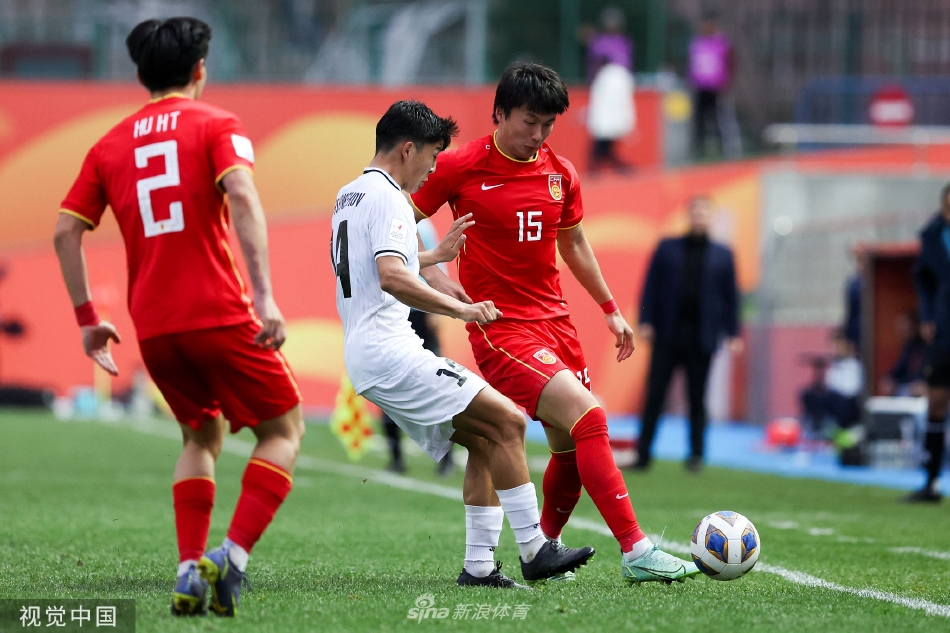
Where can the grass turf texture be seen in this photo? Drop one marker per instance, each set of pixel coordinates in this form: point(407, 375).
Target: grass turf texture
point(86, 513)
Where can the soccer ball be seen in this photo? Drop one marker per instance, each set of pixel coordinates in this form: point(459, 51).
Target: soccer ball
point(725, 545)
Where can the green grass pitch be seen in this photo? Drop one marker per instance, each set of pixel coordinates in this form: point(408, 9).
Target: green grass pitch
point(86, 513)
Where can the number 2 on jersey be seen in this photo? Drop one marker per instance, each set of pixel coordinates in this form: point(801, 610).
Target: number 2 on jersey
point(145, 187)
point(532, 224)
point(340, 258)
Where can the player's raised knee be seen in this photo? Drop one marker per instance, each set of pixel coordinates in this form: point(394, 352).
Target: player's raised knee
point(512, 423)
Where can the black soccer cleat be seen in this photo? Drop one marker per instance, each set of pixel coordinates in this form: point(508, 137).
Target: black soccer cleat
point(553, 559)
point(494, 579)
point(925, 495)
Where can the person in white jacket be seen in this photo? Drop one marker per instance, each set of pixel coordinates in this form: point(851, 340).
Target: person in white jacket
point(611, 114)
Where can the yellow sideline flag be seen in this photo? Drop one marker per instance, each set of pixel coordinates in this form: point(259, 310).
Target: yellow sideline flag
point(351, 421)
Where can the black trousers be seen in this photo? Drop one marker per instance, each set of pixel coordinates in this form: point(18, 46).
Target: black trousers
point(666, 358)
point(420, 324)
point(705, 120)
point(821, 406)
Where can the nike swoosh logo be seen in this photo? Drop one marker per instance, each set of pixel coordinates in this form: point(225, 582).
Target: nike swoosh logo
point(563, 511)
point(487, 187)
point(622, 496)
point(661, 574)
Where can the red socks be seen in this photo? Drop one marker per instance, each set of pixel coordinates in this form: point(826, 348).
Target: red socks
point(193, 499)
point(264, 488)
point(562, 490)
point(602, 479)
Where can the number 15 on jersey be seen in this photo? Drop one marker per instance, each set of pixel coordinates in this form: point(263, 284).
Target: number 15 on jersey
point(526, 220)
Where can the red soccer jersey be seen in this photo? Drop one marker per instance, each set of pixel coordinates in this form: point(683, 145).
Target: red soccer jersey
point(518, 207)
point(160, 170)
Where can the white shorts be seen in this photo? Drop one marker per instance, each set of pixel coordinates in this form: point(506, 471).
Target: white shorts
point(423, 398)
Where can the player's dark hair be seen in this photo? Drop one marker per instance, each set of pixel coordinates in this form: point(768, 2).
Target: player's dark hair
point(167, 51)
point(533, 84)
point(413, 121)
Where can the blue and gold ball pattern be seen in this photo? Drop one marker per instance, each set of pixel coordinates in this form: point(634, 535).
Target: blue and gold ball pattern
point(717, 544)
point(750, 543)
point(702, 566)
point(725, 545)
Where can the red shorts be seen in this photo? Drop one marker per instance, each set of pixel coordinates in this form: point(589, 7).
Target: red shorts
point(518, 358)
point(204, 373)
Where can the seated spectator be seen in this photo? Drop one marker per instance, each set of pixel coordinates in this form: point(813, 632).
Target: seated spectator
point(906, 377)
point(832, 400)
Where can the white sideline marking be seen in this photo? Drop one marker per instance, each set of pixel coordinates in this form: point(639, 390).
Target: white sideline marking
point(821, 531)
point(243, 449)
point(801, 578)
point(922, 552)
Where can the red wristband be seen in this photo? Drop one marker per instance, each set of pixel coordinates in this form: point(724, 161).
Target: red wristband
point(86, 315)
point(609, 307)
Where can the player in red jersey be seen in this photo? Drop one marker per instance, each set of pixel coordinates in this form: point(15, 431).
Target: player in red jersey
point(526, 203)
point(213, 353)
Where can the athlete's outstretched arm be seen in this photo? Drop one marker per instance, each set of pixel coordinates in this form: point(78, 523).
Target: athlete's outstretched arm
point(72, 262)
point(448, 249)
point(406, 287)
point(251, 227)
point(574, 248)
point(432, 274)
point(438, 280)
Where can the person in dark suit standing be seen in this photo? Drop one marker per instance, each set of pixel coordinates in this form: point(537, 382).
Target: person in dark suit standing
point(690, 303)
point(932, 280)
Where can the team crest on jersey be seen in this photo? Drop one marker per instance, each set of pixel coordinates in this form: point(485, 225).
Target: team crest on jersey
point(554, 186)
point(544, 355)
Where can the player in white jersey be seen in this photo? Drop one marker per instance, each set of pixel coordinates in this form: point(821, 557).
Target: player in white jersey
point(375, 256)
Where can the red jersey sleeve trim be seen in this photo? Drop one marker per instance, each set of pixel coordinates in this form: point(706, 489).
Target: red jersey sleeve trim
point(80, 216)
point(217, 181)
point(413, 203)
point(568, 228)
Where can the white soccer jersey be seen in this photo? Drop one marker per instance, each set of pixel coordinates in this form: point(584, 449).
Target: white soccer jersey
point(372, 219)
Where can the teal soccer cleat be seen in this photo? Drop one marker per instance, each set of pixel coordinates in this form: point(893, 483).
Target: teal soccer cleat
point(225, 581)
point(657, 566)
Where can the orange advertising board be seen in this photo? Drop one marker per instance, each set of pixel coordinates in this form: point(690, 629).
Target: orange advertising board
point(309, 142)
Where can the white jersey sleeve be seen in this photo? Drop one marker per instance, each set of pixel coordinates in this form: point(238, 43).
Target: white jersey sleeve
point(390, 230)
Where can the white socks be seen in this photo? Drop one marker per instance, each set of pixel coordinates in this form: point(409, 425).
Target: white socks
point(521, 507)
point(640, 548)
point(185, 565)
point(482, 531)
point(237, 554)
